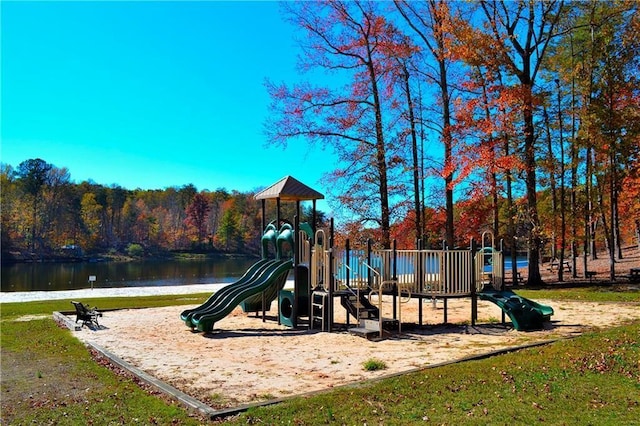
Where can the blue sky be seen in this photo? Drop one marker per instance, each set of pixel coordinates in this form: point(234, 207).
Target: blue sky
point(150, 94)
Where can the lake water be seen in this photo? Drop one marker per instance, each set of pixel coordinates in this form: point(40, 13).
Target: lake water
point(71, 276)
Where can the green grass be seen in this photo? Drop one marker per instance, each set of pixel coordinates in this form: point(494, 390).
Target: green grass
point(587, 294)
point(373, 364)
point(49, 377)
point(593, 379)
point(11, 311)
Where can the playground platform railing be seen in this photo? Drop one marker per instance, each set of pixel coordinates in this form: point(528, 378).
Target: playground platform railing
point(431, 273)
point(423, 273)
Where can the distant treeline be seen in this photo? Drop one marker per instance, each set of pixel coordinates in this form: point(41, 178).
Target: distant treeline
point(45, 215)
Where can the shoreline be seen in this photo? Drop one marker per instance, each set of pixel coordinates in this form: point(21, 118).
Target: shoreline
point(631, 259)
point(85, 293)
point(32, 296)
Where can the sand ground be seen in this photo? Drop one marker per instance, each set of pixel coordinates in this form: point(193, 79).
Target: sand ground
point(247, 360)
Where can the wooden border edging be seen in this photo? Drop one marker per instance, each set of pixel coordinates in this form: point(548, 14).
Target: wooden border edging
point(213, 414)
point(177, 394)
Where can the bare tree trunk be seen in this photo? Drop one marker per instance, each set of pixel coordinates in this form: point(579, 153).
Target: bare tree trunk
point(612, 212)
point(563, 207)
point(607, 229)
point(574, 176)
point(381, 159)
point(534, 278)
point(615, 217)
point(432, 35)
point(590, 209)
point(414, 151)
point(511, 231)
point(551, 165)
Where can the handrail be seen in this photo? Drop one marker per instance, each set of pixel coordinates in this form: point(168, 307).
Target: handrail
point(350, 289)
point(379, 296)
point(400, 302)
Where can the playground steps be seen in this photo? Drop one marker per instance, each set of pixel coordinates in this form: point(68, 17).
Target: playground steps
point(359, 307)
point(370, 328)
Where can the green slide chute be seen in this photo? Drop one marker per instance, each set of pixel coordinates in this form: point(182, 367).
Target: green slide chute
point(274, 274)
point(253, 271)
point(525, 314)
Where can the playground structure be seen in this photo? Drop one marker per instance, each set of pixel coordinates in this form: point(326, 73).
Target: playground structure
point(360, 278)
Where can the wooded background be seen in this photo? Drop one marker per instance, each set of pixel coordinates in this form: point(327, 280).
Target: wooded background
point(448, 119)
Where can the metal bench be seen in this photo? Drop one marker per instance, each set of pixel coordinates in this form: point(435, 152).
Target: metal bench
point(88, 316)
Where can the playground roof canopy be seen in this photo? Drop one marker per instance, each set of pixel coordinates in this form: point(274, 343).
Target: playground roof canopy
point(289, 189)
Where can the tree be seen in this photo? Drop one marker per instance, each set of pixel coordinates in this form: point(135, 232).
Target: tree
point(34, 175)
point(432, 25)
point(197, 215)
point(353, 41)
point(522, 32)
point(601, 67)
point(228, 231)
point(91, 213)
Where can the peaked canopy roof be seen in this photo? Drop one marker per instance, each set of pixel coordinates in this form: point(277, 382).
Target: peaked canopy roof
point(289, 189)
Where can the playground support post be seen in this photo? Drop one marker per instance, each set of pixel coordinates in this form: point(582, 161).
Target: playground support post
point(331, 282)
point(502, 286)
point(310, 272)
point(296, 260)
point(474, 296)
point(420, 283)
point(395, 280)
point(369, 276)
point(347, 249)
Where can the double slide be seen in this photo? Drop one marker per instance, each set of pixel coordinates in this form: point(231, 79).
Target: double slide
point(525, 314)
point(259, 277)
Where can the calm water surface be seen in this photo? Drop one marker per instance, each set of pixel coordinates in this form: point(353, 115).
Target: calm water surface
point(71, 276)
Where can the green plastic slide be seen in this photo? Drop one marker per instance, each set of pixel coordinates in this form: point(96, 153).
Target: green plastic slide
point(525, 314)
point(275, 274)
point(253, 271)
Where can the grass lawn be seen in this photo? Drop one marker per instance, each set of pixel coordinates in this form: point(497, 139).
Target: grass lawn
point(49, 377)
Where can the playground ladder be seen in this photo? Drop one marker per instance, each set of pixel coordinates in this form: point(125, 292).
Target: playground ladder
point(319, 303)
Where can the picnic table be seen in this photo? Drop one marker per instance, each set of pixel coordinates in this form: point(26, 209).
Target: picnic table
point(508, 277)
point(554, 265)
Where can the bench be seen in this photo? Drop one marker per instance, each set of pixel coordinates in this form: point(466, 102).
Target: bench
point(634, 275)
point(88, 316)
point(590, 275)
point(508, 278)
point(555, 265)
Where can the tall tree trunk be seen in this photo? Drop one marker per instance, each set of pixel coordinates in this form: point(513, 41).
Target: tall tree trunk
point(574, 175)
point(612, 213)
point(414, 151)
point(511, 228)
point(448, 149)
point(563, 207)
point(587, 213)
point(381, 160)
point(551, 164)
point(534, 278)
point(432, 36)
point(592, 216)
point(607, 229)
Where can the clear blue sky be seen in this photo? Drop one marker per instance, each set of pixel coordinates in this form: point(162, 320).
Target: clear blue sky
point(150, 94)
